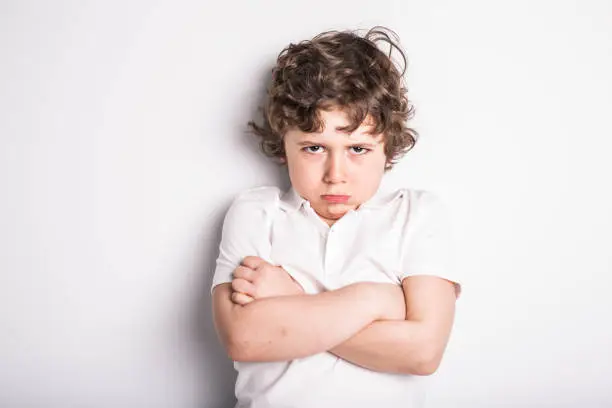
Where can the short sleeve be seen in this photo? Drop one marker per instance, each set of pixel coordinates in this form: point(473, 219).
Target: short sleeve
point(245, 233)
point(428, 242)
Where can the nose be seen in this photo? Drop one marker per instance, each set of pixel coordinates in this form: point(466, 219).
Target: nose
point(335, 171)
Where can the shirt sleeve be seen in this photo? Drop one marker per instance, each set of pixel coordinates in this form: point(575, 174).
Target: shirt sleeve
point(245, 233)
point(428, 246)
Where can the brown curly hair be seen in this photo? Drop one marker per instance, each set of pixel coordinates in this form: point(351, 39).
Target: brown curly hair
point(339, 69)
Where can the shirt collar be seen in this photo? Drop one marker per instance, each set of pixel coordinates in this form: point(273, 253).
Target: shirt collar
point(382, 198)
point(292, 201)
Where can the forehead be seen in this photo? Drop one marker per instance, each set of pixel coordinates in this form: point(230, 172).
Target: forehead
point(333, 121)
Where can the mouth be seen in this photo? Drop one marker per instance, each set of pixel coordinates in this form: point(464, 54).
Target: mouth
point(336, 198)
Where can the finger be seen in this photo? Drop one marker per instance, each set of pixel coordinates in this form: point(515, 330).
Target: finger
point(241, 298)
point(243, 286)
point(244, 272)
point(253, 262)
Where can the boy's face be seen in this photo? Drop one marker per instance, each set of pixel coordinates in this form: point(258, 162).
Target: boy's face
point(335, 171)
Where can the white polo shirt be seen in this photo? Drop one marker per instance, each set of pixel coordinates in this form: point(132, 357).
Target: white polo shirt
point(393, 235)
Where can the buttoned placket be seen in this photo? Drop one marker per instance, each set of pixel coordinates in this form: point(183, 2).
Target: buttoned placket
point(331, 251)
point(333, 241)
point(335, 244)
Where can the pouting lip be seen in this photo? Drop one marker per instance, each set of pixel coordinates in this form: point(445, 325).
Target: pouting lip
point(335, 197)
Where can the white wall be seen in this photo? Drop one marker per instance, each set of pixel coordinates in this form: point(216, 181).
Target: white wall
point(122, 144)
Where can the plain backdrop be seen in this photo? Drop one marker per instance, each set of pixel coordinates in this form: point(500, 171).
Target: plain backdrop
point(122, 143)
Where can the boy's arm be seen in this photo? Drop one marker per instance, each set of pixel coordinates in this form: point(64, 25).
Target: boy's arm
point(288, 327)
point(410, 343)
point(415, 345)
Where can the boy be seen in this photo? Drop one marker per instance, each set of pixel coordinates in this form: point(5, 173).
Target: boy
point(334, 293)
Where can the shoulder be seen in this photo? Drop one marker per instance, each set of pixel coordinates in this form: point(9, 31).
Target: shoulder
point(253, 203)
point(264, 195)
point(420, 201)
point(419, 196)
point(422, 207)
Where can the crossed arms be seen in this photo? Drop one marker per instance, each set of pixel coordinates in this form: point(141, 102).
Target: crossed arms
point(263, 315)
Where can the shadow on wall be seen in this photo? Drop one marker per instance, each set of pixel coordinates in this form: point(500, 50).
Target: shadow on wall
point(218, 375)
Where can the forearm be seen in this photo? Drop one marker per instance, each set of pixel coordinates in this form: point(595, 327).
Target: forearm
point(289, 327)
point(392, 346)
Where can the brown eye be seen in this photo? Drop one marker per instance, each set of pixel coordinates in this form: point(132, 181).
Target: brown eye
point(360, 150)
point(313, 149)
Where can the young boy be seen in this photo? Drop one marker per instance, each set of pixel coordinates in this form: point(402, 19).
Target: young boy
point(335, 293)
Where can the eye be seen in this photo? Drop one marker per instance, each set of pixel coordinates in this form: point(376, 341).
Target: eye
point(360, 150)
point(313, 149)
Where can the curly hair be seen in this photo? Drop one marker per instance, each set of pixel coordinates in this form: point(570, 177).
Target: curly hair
point(339, 70)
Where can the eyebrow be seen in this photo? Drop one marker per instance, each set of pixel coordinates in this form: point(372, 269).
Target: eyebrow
point(314, 143)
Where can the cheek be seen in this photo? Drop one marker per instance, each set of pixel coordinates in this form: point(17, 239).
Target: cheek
point(303, 170)
point(368, 174)
point(381, 162)
point(372, 166)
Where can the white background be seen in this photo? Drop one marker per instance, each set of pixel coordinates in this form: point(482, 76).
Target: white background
point(122, 144)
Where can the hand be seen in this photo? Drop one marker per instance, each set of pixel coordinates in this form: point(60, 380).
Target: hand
point(257, 279)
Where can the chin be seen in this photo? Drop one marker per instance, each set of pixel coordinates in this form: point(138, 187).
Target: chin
point(331, 210)
point(338, 210)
